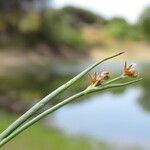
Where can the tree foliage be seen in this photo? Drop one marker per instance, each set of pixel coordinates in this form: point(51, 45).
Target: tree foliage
point(58, 30)
point(82, 15)
point(144, 21)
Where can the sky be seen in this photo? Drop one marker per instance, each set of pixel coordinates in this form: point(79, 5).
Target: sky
point(129, 9)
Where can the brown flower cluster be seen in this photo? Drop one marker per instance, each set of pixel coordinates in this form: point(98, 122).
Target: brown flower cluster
point(130, 71)
point(98, 78)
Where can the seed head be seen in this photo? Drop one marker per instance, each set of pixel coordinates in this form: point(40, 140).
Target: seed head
point(129, 70)
point(97, 78)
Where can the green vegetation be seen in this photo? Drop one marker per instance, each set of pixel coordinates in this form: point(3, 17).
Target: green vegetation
point(79, 16)
point(119, 29)
point(21, 24)
point(42, 137)
point(144, 21)
point(58, 30)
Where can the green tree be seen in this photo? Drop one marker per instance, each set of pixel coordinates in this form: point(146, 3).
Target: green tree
point(79, 15)
point(58, 31)
point(117, 28)
point(144, 21)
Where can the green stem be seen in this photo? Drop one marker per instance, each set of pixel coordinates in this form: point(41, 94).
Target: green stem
point(95, 89)
point(89, 90)
point(34, 120)
point(45, 100)
point(115, 79)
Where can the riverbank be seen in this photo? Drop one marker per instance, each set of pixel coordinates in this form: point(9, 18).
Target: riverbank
point(41, 137)
point(138, 51)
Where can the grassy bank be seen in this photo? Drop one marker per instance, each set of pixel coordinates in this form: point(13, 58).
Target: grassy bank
point(40, 137)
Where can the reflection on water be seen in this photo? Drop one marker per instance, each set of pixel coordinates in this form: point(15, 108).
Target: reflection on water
point(114, 118)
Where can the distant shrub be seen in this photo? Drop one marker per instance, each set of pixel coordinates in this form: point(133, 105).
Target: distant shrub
point(30, 22)
point(58, 31)
point(117, 28)
point(144, 21)
point(79, 15)
point(134, 33)
point(3, 25)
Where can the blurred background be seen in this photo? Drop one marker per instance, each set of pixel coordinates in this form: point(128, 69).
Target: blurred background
point(44, 43)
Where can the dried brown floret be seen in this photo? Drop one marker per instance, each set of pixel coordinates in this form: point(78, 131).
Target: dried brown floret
point(129, 70)
point(97, 78)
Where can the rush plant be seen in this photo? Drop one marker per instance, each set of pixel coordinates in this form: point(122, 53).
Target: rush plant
point(100, 81)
